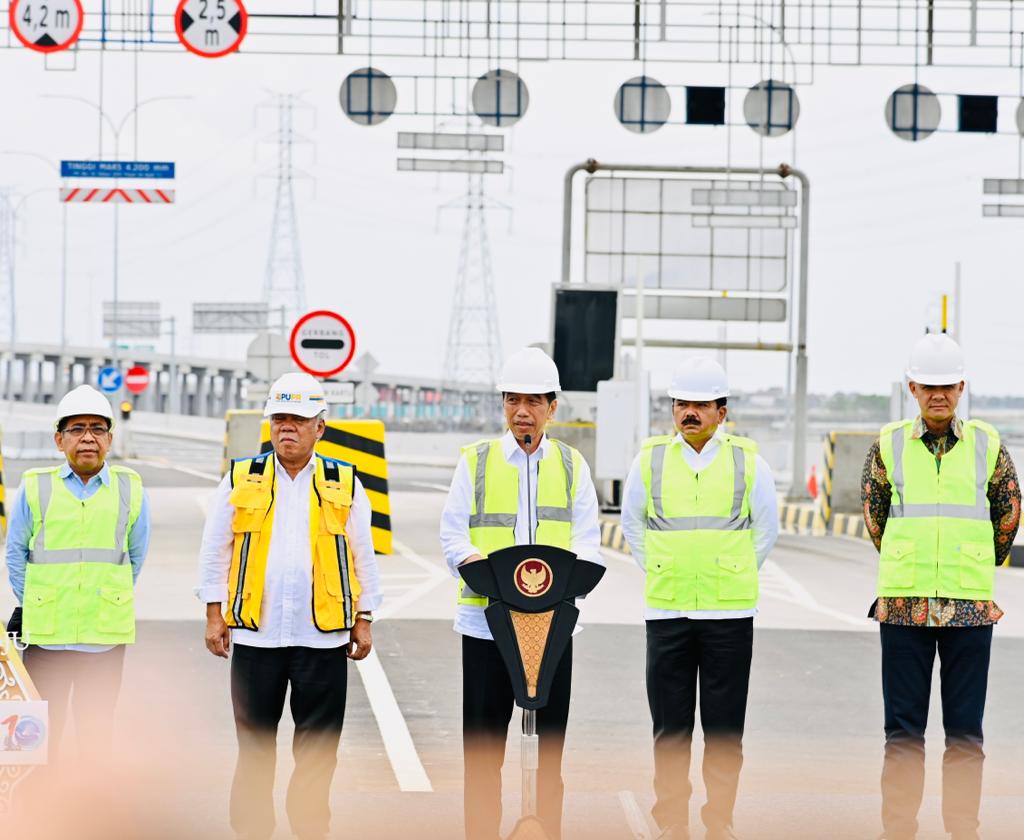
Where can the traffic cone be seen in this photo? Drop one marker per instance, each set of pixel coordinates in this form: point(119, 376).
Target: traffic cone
point(812, 482)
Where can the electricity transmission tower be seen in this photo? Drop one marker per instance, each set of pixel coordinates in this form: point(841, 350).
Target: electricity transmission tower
point(473, 355)
point(284, 285)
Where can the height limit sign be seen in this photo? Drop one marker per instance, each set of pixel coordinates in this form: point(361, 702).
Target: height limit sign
point(323, 343)
point(46, 25)
point(211, 28)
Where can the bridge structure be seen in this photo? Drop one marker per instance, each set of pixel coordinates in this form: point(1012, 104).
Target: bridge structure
point(208, 387)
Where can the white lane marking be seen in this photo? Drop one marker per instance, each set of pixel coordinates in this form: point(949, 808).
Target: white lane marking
point(392, 607)
point(165, 465)
point(799, 594)
point(430, 485)
point(435, 575)
point(405, 761)
point(416, 559)
point(634, 817)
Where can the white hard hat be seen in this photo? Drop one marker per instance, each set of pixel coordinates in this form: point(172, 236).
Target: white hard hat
point(699, 378)
point(936, 360)
point(529, 371)
point(296, 393)
point(84, 400)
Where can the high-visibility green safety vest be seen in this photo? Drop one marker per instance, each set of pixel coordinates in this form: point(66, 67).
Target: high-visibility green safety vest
point(492, 517)
point(698, 542)
point(78, 581)
point(938, 539)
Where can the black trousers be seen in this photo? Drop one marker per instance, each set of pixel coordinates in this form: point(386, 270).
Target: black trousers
point(88, 684)
point(487, 704)
point(715, 654)
point(259, 679)
point(908, 654)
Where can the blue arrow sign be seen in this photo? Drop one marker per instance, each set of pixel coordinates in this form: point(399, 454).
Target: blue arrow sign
point(110, 380)
point(116, 169)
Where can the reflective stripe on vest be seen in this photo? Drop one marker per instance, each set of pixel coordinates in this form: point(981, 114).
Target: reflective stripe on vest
point(496, 530)
point(736, 521)
point(79, 579)
point(38, 553)
point(335, 587)
point(980, 508)
point(939, 539)
point(698, 540)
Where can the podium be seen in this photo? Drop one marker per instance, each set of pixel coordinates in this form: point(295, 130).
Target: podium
point(531, 613)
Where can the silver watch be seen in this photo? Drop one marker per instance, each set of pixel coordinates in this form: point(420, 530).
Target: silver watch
point(365, 616)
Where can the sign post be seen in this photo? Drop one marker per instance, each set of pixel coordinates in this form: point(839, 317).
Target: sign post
point(137, 379)
point(322, 343)
point(211, 29)
point(46, 25)
point(110, 380)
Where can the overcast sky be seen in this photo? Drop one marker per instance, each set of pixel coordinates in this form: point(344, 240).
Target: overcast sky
point(888, 218)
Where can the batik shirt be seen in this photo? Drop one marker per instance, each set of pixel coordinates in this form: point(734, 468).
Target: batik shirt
point(1004, 501)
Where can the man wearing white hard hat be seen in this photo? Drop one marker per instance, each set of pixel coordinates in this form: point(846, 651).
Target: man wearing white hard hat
point(504, 478)
point(700, 515)
point(289, 578)
point(76, 543)
point(942, 505)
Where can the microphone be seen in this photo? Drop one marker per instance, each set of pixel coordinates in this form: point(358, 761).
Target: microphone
point(528, 440)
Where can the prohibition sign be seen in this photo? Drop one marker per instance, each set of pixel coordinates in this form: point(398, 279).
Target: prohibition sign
point(46, 26)
point(322, 343)
point(211, 28)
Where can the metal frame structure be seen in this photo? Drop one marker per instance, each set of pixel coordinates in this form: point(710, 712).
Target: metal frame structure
point(959, 33)
point(799, 349)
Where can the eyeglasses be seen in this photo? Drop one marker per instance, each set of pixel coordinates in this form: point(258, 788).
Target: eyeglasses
point(96, 430)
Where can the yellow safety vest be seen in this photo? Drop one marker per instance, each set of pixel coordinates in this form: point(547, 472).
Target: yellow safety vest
point(78, 581)
point(495, 507)
point(335, 586)
point(938, 539)
point(698, 541)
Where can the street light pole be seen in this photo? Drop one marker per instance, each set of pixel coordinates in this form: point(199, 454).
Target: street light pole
point(14, 210)
point(116, 131)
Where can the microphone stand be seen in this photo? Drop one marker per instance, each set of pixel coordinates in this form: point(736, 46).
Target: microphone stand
point(530, 744)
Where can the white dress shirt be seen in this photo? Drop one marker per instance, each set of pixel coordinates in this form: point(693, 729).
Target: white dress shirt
point(455, 543)
point(286, 613)
point(764, 514)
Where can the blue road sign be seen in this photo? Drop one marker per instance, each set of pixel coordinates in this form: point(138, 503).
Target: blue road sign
point(116, 169)
point(110, 380)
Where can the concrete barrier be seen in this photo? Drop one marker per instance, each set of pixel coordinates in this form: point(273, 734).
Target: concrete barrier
point(845, 453)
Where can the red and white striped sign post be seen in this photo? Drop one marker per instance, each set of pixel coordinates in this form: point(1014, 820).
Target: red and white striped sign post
point(115, 195)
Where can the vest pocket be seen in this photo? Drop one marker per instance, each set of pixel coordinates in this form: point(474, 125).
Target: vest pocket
point(896, 564)
point(977, 565)
point(661, 584)
point(117, 610)
point(41, 611)
point(737, 578)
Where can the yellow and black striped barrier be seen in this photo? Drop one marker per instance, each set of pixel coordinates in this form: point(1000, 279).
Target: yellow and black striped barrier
point(830, 464)
point(360, 443)
point(849, 525)
point(801, 519)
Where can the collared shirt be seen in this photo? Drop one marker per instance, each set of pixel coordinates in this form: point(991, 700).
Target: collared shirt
point(764, 515)
point(19, 532)
point(286, 613)
point(455, 542)
point(1004, 510)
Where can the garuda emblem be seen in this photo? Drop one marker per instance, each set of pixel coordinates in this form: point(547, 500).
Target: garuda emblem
point(533, 577)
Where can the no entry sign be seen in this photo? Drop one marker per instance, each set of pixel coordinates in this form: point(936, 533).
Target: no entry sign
point(137, 379)
point(322, 343)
